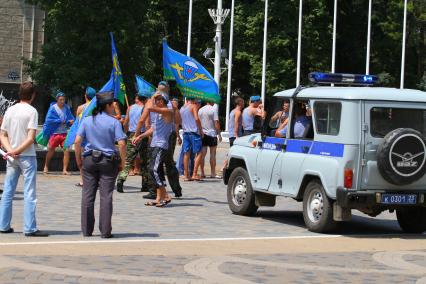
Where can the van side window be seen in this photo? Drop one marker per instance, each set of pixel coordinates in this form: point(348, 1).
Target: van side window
point(327, 117)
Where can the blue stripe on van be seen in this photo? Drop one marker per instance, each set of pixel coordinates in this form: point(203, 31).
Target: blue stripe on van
point(328, 149)
point(273, 143)
point(305, 147)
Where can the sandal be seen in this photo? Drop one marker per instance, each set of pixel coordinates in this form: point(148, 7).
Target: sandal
point(151, 203)
point(197, 178)
point(162, 203)
point(188, 179)
point(79, 184)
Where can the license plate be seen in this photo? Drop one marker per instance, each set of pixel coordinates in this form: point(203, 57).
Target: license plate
point(399, 198)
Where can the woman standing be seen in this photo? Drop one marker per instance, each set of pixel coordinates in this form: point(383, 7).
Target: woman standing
point(101, 163)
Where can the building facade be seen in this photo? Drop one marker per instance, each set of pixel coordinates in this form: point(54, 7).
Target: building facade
point(21, 37)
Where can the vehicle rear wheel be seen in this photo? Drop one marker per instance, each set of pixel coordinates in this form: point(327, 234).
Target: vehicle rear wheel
point(241, 198)
point(317, 208)
point(412, 219)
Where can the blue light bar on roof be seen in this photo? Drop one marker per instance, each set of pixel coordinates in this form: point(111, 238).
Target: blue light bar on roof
point(341, 78)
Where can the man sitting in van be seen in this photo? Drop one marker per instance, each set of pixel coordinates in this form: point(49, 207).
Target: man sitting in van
point(301, 121)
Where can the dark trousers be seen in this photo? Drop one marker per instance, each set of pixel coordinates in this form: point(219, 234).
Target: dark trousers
point(145, 155)
point(171, 170)
point(231, 141)
point(96, 175)
point(157, 166)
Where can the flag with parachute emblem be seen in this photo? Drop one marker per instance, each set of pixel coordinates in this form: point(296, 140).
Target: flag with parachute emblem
point(119, 87)
point(193, 80)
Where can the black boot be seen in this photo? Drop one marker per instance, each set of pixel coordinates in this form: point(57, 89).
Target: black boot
point(120, 186)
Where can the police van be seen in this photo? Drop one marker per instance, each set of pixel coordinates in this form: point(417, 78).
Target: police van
point(363, 148)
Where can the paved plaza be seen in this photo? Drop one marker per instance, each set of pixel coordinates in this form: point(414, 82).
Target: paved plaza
point(197, 240)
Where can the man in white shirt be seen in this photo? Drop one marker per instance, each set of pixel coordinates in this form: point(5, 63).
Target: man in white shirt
point(17, 136)
point(211, 128)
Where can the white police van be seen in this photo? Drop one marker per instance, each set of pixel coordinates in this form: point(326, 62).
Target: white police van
point(363, 149)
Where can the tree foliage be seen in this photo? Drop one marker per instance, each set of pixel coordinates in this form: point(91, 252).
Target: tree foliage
point(77, 49)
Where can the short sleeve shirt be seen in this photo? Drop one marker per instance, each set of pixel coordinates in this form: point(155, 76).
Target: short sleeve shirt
point(101, 132)
point(17, 121)
point(299, 127)
point(208, 115)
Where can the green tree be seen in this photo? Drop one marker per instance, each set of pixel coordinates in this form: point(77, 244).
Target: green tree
point(77, 49)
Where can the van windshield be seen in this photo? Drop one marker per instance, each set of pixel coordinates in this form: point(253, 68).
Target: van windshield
point(383, 120)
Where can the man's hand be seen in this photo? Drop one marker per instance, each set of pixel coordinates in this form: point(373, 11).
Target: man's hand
point(136, 139)
point(219, 137)
point(12, 154)
point(71, 121)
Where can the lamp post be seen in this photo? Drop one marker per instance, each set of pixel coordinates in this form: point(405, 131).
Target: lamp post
point(219, 15)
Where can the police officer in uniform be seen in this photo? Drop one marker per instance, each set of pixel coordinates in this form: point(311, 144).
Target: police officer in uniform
point(100, 161)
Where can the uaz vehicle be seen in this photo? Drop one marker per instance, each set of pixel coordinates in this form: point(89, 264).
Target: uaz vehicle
point(363, 149)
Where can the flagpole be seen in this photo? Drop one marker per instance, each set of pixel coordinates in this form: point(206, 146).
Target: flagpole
point(188, 49)
point(228, 89)
point(265, 39)
point(299, 44)
point(333, 55)
point(367, 63)
point(188, 44)
point(403, 45)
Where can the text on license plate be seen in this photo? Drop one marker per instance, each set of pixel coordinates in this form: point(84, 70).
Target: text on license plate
point(399, 198)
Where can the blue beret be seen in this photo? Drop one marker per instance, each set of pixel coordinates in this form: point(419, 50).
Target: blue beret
point(164, 83)
point(59, 94)
point(254, 98)
point(90, 92)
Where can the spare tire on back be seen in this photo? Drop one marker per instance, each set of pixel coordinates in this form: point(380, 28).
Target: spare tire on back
point(401, 156)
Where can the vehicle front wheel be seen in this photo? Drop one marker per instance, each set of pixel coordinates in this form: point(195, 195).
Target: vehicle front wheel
point(317, 208)
point(412, 219)
point(241, 198)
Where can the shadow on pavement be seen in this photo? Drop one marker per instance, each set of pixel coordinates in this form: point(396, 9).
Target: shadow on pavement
point(293, 218)
point(359, 226)
point(131, 189)
point(135, 235)
point(176, 204)
point(203, 198)
point(62, 233)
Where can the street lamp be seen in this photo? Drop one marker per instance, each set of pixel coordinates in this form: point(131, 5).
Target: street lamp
point(218, 15)
point(223, 54)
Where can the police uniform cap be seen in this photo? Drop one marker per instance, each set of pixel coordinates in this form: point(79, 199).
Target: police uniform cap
point(105, 97)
